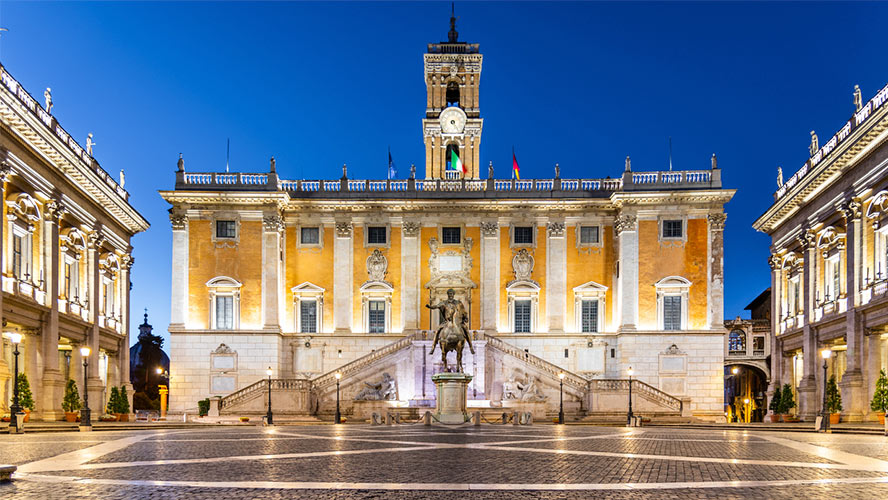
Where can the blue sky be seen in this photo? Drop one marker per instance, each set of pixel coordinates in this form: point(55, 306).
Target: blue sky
point(322, 84)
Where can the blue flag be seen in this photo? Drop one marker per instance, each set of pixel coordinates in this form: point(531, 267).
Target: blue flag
point(392, 172)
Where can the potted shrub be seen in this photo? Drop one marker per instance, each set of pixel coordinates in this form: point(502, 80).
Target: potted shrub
point(833, 401)
point(121, 404)
point(880, 397)
point(111, 407)
point(787, 403)
point(26, 399)
point(774, 406)
point(71, 401)
point(203, 407)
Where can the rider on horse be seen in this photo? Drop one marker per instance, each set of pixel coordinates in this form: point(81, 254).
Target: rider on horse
point(448, 308)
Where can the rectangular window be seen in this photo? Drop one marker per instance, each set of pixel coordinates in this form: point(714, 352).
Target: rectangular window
point(224, 312)
point(310, 236)
point(376, 319)
point(758, 344)
point(589, 316)
point(68, 284)
point(376, 235)
point(792, 297)
point(523, 235)
point(672, 228)
point(451, 235)
point(672, 312)
point(836, 277)
point(308, 316)
point(108, 298)
point(17, 267)
point(588, 235)
point(522, 316)
point(226, 229)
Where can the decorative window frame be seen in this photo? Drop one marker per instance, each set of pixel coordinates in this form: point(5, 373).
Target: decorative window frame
point(578, 230)
point(590, 291)
point(832, 261)
point(223, 351)
point(74, 261)
point(880, 252)
point(308, 291)
point(684, 228)
point(26, 233)
point(388, 235)
point(319, 244)
point(224, 286)
point(673, 286)
point(376, 290)
point(523, 290)
point(534, 229)
point(221, 216)
point(794, 309)
point(462, 234)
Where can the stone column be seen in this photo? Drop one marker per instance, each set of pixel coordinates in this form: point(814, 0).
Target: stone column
point(342, 278)
point(5, 173)
point(179, 288)
point(53, 385)
point(490, 245)
point(627, 233)
point(716, 274)
point(410, 275)
point(776, 314)
point(853, 394)
point(272, 225)
point(807, 389)
point(123, 358)
point(92, 340)
point(556, 277)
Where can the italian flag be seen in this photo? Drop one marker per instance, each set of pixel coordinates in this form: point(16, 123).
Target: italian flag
point(456, 163)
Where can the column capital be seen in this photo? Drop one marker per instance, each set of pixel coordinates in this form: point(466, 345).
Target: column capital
point(555, 229)
point(489, 229)
point(343, 229)
point(273, 223)
point(410, 228)
point(625, 222)
point(96, 240)
point(717, 221)
point(808, 239)
point(851, 210)
point(774, 262)
point(178, 220)
point(55, 210)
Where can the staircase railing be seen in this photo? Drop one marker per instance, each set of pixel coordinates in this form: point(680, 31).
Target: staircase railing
point(646, 391)
point(260, 387)
point(571, 379)
point(323, 381)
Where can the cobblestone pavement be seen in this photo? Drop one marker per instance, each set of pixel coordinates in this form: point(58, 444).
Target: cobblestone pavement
point(413, 461)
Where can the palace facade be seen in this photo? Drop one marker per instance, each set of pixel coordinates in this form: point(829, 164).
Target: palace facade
point(829, 265)
point(65, 259)
point(583, 276)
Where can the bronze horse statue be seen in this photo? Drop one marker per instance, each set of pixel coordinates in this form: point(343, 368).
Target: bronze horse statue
point(451, 337)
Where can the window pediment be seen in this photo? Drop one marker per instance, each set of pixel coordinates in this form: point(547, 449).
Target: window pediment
point(307, 288)
point(224, 282)
point(24, 208)
point(526, 286)
point(672, 282)
point(590, 288)
point(377, 286)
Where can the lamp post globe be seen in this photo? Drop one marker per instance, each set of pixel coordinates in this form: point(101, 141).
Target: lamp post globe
point(269, 417)
point(15, 409)
point(337, 418)
point(824, 415)
point(561, 398)
point(630, 416)
point(85, 417)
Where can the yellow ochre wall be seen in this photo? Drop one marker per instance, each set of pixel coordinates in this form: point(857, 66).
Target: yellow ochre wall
point(426, 233)
point(359, 277)
point(590, 264)
point(507, 274)
point(311, 264)
point(243, 263)
point(658, 260)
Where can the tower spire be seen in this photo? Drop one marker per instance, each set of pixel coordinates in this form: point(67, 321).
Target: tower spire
point(453, 35)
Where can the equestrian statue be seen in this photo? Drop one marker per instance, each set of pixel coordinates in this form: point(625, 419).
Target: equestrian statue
point(453, 330)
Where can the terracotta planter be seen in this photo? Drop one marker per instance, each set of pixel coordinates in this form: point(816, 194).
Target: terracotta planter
point(122, 417)
point(834, 418)
point(27, 415)
point(70, 416)
point(882, 418)
point(775, 418)
point(790, 419)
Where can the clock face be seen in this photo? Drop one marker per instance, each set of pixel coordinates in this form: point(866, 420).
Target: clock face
point(453, 120)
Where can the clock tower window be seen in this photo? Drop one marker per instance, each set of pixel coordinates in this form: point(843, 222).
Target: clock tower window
point(452, 94)
point(447, 155)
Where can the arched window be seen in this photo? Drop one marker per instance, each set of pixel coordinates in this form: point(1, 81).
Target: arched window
point(452, 94)
point(450, 169)
point(737, 342)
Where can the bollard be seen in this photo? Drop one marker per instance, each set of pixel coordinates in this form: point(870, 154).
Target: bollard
point(505, 418)
point(427, 418)
point(528, 418)
point(516, 419)
point(388, 419)
point(374, 419)
point(477, 418)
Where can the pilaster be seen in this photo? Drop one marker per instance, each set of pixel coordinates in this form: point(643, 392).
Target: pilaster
point(627, 279)
point(853, 395)
point(489, 265)
point(273, 226)
point(716, 287)
point(776, 314)
point(179, 291)
point(123, 360)
point(343, 265)
point(53, 385)
point(556, 277)
point(807, 389)
point(410, 275)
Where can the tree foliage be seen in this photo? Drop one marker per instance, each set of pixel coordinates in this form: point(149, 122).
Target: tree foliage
point(880, 396)
point(833, 398)
point(71, 400)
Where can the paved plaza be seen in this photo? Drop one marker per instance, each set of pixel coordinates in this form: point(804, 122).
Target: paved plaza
point(413, 461)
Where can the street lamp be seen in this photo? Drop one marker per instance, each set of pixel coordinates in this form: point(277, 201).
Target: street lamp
point(269, 418)
point(735, 387)
point(85, 421)
point(15, 409)
point(629, 417)
point(338, 417)
point(561, 398)
point(824, 416)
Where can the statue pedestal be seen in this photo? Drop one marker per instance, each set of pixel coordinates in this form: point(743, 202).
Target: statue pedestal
point(451, 401)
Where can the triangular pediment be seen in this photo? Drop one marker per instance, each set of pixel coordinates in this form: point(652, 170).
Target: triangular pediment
point(307, 287)
point(590, 287)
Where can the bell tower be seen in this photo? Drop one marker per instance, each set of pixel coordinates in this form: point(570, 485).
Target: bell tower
point(453, 120)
